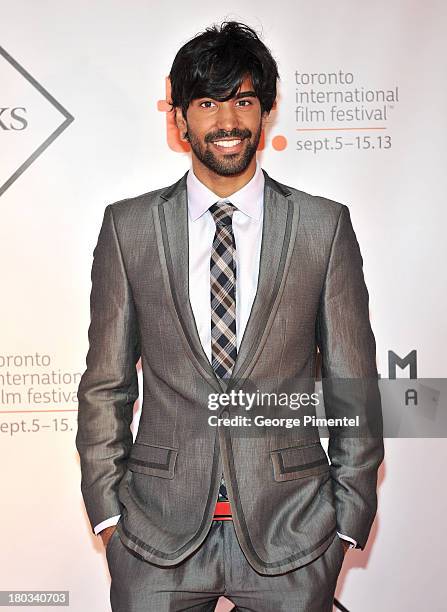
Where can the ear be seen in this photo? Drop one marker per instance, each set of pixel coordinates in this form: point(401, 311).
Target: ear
point(181, 123)
point(264, 119)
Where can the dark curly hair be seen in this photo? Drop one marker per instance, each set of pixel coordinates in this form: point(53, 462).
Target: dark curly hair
point(215, 62)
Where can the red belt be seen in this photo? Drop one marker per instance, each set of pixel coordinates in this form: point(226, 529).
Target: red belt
point(222, 511)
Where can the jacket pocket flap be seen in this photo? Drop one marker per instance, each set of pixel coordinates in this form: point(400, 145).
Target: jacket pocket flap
point(299, 461)
point(152, 460)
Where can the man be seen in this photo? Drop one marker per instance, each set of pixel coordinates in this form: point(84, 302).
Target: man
point(225, 280)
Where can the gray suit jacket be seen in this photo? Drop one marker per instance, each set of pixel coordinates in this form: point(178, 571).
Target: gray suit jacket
point(288, 501)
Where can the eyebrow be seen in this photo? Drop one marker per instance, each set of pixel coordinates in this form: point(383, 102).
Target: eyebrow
point(242, 94)
point(246, 94)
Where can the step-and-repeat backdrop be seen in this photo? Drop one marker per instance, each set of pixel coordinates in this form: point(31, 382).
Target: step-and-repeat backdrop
point(361, 118)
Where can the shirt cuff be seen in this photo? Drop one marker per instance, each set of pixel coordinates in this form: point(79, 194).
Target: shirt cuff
point(107, 523)
point(352, 542)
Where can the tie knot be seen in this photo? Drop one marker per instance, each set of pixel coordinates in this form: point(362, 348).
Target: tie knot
point(222, 212)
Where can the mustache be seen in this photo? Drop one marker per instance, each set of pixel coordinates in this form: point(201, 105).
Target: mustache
point(233, 134)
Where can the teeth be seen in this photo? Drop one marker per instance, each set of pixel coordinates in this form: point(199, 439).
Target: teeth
point(226, 143)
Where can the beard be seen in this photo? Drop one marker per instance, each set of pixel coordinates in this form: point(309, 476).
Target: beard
point(231, 163)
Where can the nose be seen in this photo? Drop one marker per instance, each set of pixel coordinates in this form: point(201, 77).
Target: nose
point(227, 116)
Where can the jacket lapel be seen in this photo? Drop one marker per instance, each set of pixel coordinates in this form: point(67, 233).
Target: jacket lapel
point(278, 236)
point(171, 222)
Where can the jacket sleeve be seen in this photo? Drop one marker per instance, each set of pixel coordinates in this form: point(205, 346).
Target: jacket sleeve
point(350, 384)
point(109, 386)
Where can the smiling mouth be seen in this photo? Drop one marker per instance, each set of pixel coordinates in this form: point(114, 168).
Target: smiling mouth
point(228, 146)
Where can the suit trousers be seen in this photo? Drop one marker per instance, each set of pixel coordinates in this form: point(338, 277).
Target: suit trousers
point(219, 568)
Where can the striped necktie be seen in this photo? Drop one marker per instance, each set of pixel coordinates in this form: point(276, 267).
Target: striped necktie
point(223, 299)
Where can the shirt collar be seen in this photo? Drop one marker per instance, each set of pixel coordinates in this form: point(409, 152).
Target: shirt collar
point(248, 199)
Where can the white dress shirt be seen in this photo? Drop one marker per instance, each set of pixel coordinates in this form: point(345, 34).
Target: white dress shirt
point(247, 224)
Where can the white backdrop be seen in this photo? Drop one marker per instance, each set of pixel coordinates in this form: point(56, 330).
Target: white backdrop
point(106, 63)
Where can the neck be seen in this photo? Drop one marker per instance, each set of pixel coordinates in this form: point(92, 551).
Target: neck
point(223, 186)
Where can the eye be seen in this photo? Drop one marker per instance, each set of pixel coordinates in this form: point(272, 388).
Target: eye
point(206, 102)
point(249, 102)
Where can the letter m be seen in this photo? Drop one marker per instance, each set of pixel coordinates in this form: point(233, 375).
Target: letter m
point(394, 360)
